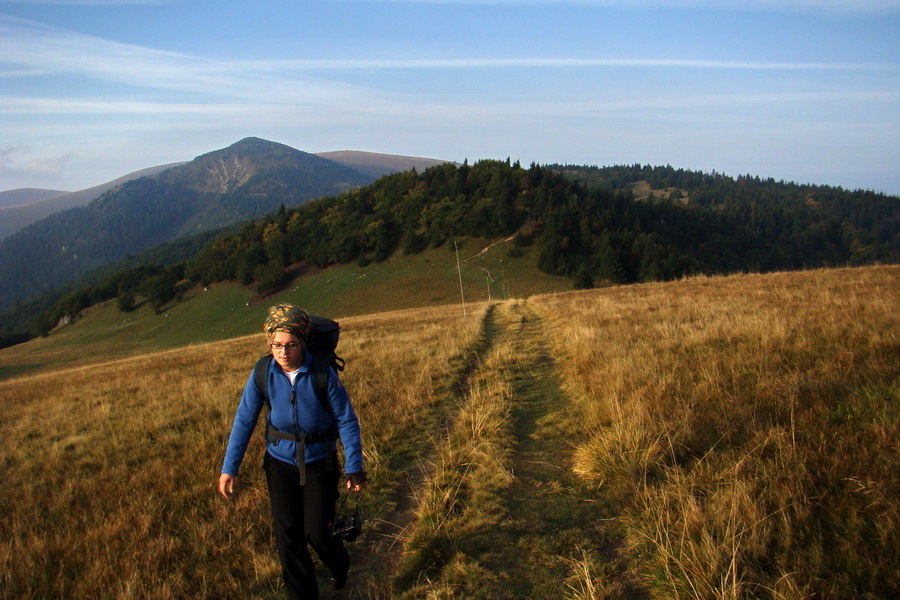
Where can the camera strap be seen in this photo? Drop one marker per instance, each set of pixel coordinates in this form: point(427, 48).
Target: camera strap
point(340, 508)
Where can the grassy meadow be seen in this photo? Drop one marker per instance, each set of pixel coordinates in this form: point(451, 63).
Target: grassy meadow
point(729, 437)
point(752, 424)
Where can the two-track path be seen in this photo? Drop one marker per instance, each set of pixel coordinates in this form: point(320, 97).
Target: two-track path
point(558, 537)
point(565, 535)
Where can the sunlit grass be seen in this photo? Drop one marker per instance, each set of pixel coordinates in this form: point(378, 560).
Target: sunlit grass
point(459, 509)
point(754, 422)
point(746, 425)
point(109, 470)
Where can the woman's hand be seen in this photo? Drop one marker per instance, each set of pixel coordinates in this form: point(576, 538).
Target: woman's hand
point(356, 480)
point(226, 484)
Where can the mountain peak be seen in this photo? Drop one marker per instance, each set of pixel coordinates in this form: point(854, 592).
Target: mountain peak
point(254, 159)
point(255, 147)
point(255, 144)
point(249, 178)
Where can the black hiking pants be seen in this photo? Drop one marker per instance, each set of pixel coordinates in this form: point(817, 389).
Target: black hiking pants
point(300, 515)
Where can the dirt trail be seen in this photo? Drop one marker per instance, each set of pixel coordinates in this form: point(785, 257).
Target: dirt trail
point(563, 531)
point(376, 556)
point(559, 537)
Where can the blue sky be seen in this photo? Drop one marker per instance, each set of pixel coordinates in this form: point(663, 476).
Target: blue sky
point(801, 90)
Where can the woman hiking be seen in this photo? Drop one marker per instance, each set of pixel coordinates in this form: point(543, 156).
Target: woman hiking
point(300, 459)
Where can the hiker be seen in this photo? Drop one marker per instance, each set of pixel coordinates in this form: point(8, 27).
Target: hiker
point(301, 470)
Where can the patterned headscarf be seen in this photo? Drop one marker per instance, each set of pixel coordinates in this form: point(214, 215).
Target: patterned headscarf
point(289, 319)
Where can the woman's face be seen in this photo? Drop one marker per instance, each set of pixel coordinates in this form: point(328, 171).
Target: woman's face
point(287, 350)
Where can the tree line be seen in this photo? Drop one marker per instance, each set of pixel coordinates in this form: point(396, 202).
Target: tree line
point(582, 221)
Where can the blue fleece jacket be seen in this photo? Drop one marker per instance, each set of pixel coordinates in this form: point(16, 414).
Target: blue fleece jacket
point(306, 414)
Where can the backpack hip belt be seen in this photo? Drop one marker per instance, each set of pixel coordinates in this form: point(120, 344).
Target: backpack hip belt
point(273, 433)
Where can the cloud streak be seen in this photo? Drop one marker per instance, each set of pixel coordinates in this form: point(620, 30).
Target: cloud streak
point(801, 6)
point(537, 62)
point(210, 88)
point(90, 2)
point(29, 50)
point(28, 47)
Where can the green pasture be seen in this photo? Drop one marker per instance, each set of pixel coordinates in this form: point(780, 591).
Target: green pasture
point(227, 310)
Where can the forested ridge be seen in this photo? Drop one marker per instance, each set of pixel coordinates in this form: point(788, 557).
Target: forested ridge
point(766, 201)
point(584, 223)
point(586, 231)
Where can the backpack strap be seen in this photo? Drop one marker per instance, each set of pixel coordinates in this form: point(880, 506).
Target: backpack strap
point(319, 372)
point(261, 377)
point(320, 368)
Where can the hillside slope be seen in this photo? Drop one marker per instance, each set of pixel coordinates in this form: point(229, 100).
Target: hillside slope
point(227, 310)
point(578, 230)
point(377, 164)
point(714, 437)
point(19, 208)
point(15, 217)
point(26, 196)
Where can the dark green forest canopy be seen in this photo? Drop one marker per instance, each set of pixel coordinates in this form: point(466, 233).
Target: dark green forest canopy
point(583, 219)
point(584, 222)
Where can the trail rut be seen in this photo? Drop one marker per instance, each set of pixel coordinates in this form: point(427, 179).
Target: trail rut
point(553, 536)
point(375, 558)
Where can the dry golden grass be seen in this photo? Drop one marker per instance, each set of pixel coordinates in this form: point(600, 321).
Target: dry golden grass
point(459, 504)
point(753, 420)
point(748, 426)
point(499, 516)
point(400, 363)
point(109, 470)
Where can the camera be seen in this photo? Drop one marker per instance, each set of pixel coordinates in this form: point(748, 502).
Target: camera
point(347, 527)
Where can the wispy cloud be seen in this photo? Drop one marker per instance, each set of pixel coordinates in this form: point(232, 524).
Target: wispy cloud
point(147, 82)
point(123, 106)
point(537, 62)
point(15, 162)
point(90, 2)
point(804, 6)
point(26, 105)
point(29, 49)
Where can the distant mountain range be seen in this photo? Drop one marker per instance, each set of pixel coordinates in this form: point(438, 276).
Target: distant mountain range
point(377, 165)
point(20, 208)
point(219, 218)
point(55, 238)
point(26, 196)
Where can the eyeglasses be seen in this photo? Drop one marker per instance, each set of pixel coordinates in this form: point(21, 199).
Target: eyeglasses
point(290, 346)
